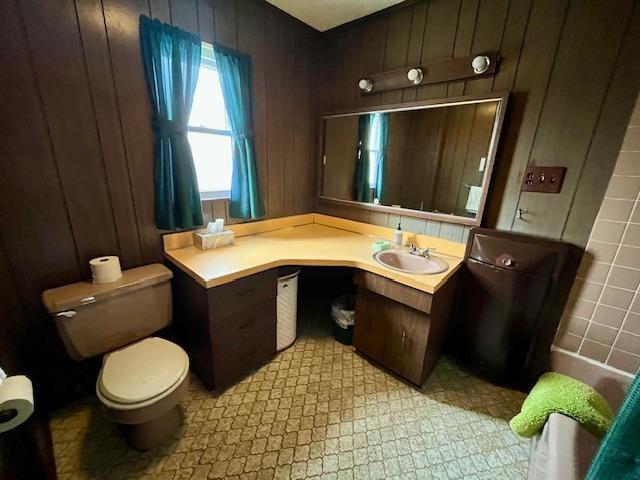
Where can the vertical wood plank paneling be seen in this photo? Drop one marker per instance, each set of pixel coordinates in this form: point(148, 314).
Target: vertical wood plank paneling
point(36, 231)
point(101, 83)
point(397, 45)
point(225, 22)
point(328, 64)
point(121, 19)
point(184, 15)
point(534, 68)
point(251, 39)
point(464, 38)
point(276, 135)
point(490, 25)
point(72, 126)
point(569, 115)
point(416, 35)
point(511, 45)
point(205, 21)
point(160, 10)
point(371, 56)
point(617, 108)
point(350, 70)
point(14, 357)
point(288, 107)
point(438, 41)
point(304, 127)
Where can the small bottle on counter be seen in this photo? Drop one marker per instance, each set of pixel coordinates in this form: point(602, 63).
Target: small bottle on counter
point(397, 236)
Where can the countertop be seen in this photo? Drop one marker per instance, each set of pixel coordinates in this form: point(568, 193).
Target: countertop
point(310, 239)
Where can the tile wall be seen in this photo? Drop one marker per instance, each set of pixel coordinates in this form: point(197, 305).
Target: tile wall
point(602, 317)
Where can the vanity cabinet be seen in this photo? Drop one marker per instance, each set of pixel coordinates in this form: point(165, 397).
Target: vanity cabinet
point(228, 330)
point(400, 327)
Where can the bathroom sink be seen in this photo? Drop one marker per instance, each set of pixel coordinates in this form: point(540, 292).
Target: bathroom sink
point(403, 261)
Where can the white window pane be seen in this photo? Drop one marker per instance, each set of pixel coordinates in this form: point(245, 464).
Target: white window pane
point(212, 159)
point(373, 168)
point(208, 102)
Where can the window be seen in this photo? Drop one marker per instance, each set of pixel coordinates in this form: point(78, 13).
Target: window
point(375, 150)
point(208, 132)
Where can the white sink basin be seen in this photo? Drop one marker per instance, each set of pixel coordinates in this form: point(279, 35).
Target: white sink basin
point(403, 261)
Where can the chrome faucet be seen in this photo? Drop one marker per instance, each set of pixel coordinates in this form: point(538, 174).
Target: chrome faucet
point(421, 252)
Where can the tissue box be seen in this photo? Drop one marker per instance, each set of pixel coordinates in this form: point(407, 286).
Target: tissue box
point(206, 241)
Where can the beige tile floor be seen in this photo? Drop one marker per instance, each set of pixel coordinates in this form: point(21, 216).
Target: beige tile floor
point(318, 410)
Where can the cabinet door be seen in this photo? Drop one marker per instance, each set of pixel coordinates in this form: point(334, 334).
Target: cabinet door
point(406, 343)
point(370, 326)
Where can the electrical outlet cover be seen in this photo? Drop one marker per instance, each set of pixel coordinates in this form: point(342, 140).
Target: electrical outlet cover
point(543, 179)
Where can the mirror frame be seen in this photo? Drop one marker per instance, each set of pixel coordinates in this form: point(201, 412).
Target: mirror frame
point(502, 99)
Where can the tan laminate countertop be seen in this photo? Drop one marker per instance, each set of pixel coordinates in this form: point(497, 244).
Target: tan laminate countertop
point(316, 240)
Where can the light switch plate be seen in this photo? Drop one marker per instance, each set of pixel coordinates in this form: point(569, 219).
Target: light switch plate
point(543, 179)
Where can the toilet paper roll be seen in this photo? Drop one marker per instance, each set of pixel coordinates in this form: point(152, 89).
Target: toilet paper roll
point(16, 401)
point(105, 269)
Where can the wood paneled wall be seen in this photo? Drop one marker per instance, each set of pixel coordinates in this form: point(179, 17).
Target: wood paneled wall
point(572, 68)
point(76, 142)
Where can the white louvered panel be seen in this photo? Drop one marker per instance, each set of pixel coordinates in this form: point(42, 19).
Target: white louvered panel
point(287, 312)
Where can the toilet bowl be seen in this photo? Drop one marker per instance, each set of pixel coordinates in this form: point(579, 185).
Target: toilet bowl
point(143, 378)
point(140, 387)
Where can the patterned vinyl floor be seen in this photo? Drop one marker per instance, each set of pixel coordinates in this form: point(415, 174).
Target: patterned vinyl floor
point(318, 410)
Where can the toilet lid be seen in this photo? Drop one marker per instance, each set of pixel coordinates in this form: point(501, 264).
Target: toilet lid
point(142, 371)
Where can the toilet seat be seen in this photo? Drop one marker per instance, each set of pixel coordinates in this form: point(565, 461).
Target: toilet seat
point(140, 374)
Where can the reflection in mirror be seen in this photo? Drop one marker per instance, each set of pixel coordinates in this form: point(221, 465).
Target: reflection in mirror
point(430, 159)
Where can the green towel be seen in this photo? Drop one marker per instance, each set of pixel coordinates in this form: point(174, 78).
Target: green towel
point(619, 454)
point(556, 393)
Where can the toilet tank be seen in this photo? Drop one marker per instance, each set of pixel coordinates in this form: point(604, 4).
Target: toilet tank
point(97, 318)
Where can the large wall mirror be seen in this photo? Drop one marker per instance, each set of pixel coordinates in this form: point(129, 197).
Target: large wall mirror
point(428, 159)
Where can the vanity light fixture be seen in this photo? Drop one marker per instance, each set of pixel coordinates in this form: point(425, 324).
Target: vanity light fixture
point(415, 76)
point(365, 84)
point(480, 64)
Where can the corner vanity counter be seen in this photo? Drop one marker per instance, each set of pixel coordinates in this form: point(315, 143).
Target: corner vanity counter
point(226, 297)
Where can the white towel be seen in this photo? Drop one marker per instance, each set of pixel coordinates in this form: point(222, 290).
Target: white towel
point(473, 201)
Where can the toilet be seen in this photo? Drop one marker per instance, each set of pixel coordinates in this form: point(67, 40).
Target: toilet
point(143, 378)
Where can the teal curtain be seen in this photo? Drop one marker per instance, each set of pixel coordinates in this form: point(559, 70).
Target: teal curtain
point(619, 455)
point(235, 71)
point(361, 187)
point(372, 147)
point(171, 59)
point(381, 140)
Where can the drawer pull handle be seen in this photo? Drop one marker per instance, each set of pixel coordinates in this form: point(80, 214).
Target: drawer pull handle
point(247, 324)
point(404, 339)
point(246, 292)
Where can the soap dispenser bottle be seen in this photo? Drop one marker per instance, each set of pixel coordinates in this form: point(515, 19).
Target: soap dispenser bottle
point(397, 236)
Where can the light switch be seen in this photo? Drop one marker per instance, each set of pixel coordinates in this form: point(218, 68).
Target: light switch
point(543, 179)
point(483, 163)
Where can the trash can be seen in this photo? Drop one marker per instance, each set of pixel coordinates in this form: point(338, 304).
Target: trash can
point(343, 312)
point(287, 310)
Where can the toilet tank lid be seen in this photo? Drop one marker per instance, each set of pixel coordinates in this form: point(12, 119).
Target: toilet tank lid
point(82, 293)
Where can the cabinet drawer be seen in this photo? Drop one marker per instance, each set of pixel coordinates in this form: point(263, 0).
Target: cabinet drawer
point(232, 367)
point(228, 299)
point(411, 297)
point(256, 324)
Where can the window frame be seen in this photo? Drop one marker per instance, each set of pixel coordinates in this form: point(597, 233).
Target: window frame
point(208, 61)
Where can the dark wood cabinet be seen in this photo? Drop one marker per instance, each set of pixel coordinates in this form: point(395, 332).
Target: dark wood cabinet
point(369, 334)
point(400, 327)
point(228, 330)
